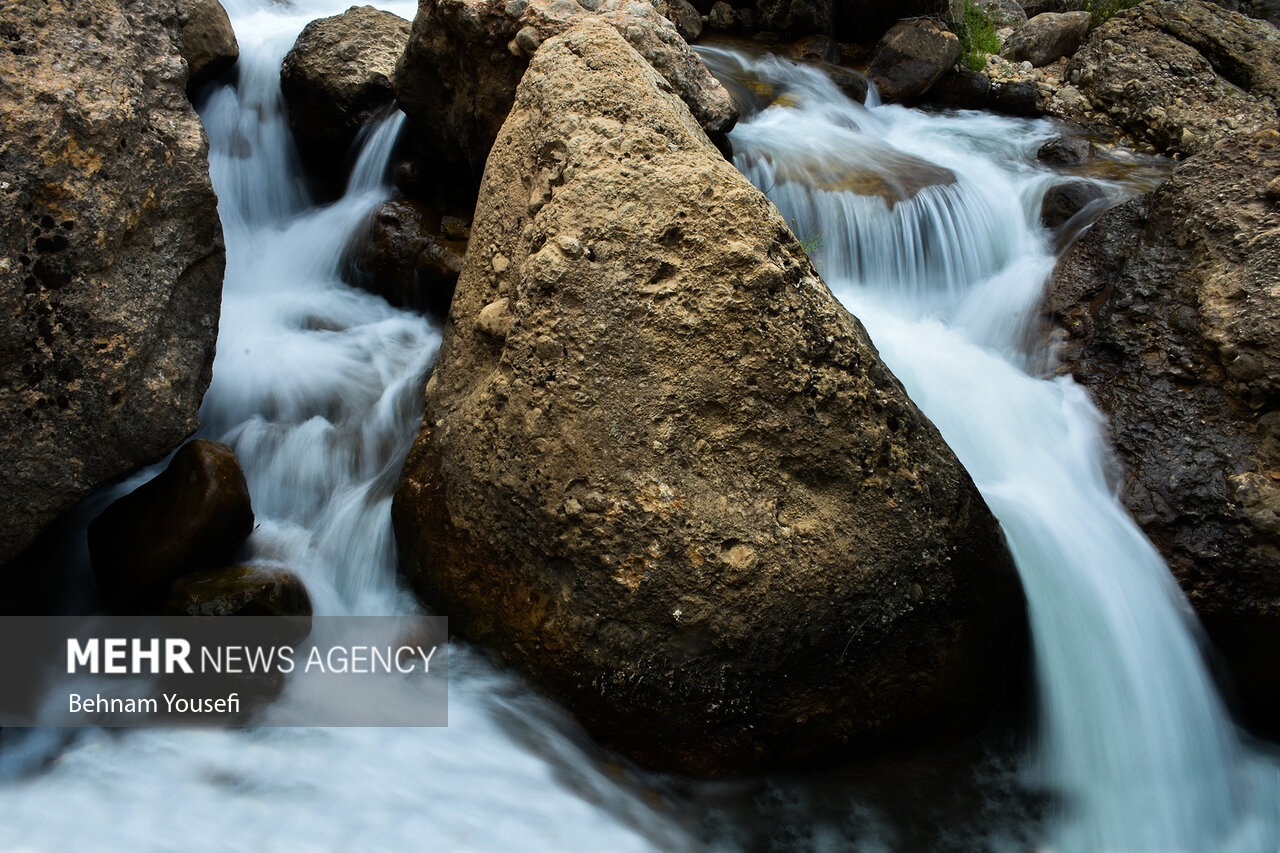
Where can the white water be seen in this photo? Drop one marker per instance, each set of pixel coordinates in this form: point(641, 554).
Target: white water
point(1133, 734)
point(317, 386)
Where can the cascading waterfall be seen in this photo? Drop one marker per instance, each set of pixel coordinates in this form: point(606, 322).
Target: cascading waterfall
point(1134, 738)
point(927, 232)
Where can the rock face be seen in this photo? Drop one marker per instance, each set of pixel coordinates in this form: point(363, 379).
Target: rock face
point(239, 591)
point(189, 518)
point(112, 257)
point(912, 57)
point(663, 471)
point(1046, 37)
point(457, 78)
point(1206, 72)
point(1170, 308)
point(337, 77)
point(208, 42)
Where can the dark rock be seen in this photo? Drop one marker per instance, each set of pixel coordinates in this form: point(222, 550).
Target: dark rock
point(1016, 98)
point(1046, 38)
point(747, 20)
point(239, 591)
point(404, 255)
point(912, 57)
point(458, 75)
point(721, 17)
point(963, 89)
point(111, 253)
point(647, 431)
point(1205, 73)
point(336, 78)
point(208, 42)
point(682, 13)
point(853, 85)
point(1065, 151)
point(191, 517)
point(1170, 312)
point(1063, 201)
point(815, 49)
point(796, 17)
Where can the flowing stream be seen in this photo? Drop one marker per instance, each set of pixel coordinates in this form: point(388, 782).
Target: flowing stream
point(925, 226)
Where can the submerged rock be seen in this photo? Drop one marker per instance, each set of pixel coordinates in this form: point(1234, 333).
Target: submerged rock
point(458, 76)
point(208, 42)
point(663, 471)
point(912, 57)
point(239, 591)
point(1046, 38)
point(111, 253)
point(189, 518)
point(1205, 73)
point(336, 78)
point(1169, 308)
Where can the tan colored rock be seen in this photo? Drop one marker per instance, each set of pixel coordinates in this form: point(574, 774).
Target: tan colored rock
point(911, 57)
point(1169, 310)
point(111, 253)
point(458, 76)
point(337, 77)
point(1205, 73)
point(1046, 38)
point(208, 42)
point(663, 471)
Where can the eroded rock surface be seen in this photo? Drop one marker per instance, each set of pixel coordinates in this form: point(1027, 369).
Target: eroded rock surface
point(663, 471)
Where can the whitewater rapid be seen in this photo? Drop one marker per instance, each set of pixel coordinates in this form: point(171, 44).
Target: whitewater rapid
point(318, 388)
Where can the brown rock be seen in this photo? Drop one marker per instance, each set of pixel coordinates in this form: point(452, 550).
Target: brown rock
point(1063, 201)
point(239, 591)
point(111, 253)
point(208, 42)
point(912, 57)
point(1205, 73)
point(721, 17)
point(336, 78)
point(816, 49)
point(682, 13)
point(1170, 312)
point(457, 78)
point(963, 89)
point(189, 518)
point(645, 439)
point(1065, 151)
point(1046, 38)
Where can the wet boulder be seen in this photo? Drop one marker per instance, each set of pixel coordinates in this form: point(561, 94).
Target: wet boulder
point(208, 42)
point(409, 255)
point(1065, 151)
point(336, 78)
point(457, 78)
point(191, 517)
point(111, 253)
point(1067, 199)
point(1168, 311)
point(1046, 38)
point(1206, 73)
point(962, 89)
point(912, 57)
point(666, 474)
point(239, 591)
point(1015, 98)
point(816, 49)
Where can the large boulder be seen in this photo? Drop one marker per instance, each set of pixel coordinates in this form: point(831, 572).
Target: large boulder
point(1169, 308)
point(912, 57)
point(1204, 73)
point(662, 470)
point(1046, 38)
point(458, 76)
point(336, 78)
point(239, 591)
point(190, 517)
point(208, 42)
point(111, 253)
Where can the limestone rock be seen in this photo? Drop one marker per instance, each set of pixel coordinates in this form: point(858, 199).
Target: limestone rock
point(111, 257)
point(1047, 37)
point(189, 518)
point(912, 57)
point(1170, 312)
point(458, 76)
point(1205, 73)
point(208, 42)
point(337, 77)
point(663, 471)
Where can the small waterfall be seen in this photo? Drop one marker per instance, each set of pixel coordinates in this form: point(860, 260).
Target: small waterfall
point(1134, 739)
